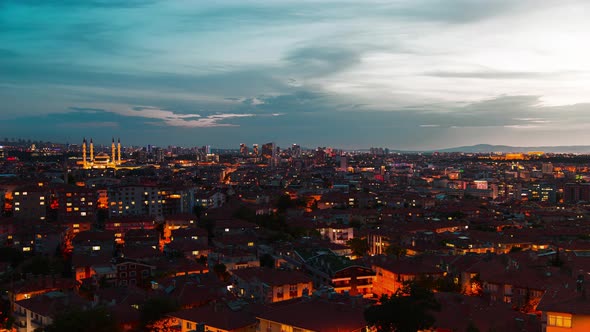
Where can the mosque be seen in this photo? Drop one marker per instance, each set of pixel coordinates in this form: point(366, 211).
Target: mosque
point(101, 159)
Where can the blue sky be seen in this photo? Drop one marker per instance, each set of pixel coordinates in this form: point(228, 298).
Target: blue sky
point(416, 74)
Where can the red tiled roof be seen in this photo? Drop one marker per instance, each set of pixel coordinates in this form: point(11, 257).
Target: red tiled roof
point(272, 277)
point(218, 316)
point(319, 315)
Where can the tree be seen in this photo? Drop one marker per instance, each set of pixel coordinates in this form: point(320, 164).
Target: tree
point(284, 202)
point(471, 328)
point(166, 324)
point(156, 308)
point(395, 251)
point(7, 254)
point(267, 260)
point(92, 320)
point(359, 246)
point(475, 287)
point(198, 211)
point(41, 265)
point(221, 271)
point(408, 310)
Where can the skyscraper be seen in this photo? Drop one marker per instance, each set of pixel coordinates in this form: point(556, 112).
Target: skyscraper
point(269, 153)
point(243, 149)
point(296, 151)
point(255, 149)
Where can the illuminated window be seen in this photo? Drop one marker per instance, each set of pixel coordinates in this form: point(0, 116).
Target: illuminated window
point(16, 209)
point(26, 248)
point(83, 199)
point(68, 204)
point(227, 229)
point(42, 197)
point(25, 193)
point(41, 203)
point(561, 321)
point(16, 193)
point(250, 244)
point(83, 214)
point(95, 248)
point(194, 237)
point(76, 225)
point(195, 253)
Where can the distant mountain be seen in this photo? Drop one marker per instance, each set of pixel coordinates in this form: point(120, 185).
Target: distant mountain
point(487, 148)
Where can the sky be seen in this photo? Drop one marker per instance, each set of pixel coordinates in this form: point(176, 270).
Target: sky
point(415, 74)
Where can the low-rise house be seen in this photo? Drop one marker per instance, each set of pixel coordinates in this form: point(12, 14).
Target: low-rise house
point(233, 259)
point(121, 225)
point(266, 285)
point(94, 241)
point(345, 275)
point(315, 315)
point(215, 317)
point(393, 273)
point(476, 312)
point(39, 311)
point(149, 237)
point(566, 308)
point(233, 227)
point(339, 234)
point(133, 273)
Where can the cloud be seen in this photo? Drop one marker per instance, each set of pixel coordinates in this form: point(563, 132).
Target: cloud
point(521, 126)
point(328, 68)
point(493, 74)
point(169, 118)
point(90, 124)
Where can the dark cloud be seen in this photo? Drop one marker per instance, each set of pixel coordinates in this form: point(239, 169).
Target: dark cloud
point(241, 82)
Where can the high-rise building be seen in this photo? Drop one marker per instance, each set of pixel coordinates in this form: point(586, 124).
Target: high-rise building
point(30, 202)
point(255, 149)
point(319, 157)
point(243, 150)
point(158, 155)
point(269, 153)
point(296, 151)
point(547, 168)
point(343, 164)
point(138, 200)
point(576, 192)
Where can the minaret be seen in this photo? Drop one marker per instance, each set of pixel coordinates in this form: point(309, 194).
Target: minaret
point(113, 160)
point(84, 152)
point(118, 151)
point(91, 151)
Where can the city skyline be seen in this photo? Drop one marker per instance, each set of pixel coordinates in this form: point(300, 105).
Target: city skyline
point(408, 75)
